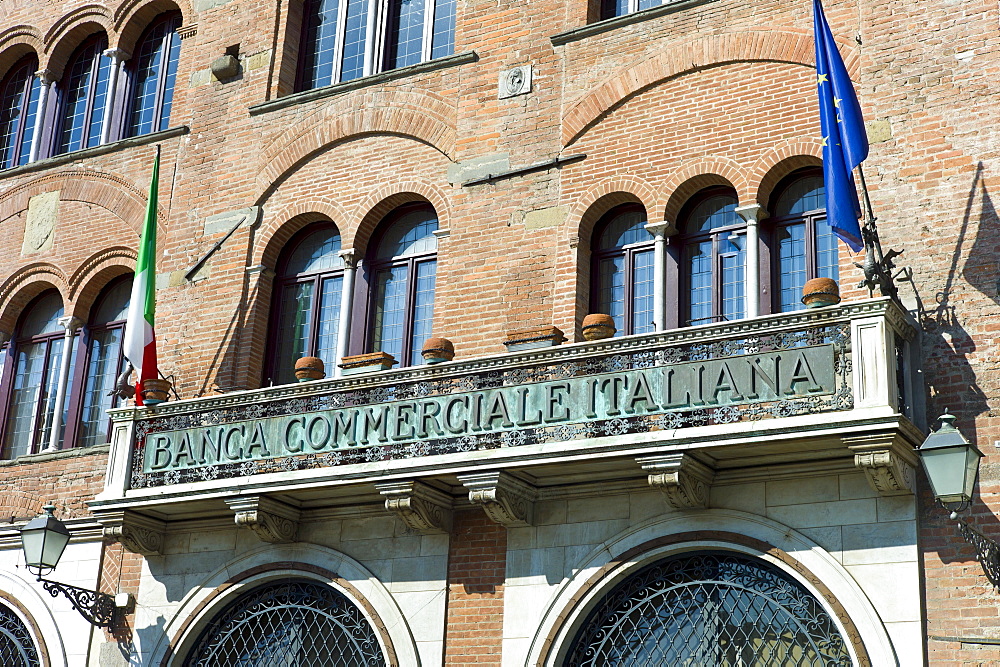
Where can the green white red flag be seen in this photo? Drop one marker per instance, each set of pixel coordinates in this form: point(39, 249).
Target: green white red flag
point(140, 340)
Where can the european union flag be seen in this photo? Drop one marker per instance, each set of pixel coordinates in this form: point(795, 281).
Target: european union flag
point(845, 142)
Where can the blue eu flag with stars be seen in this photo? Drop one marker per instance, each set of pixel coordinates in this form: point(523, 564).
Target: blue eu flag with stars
point(845, 142)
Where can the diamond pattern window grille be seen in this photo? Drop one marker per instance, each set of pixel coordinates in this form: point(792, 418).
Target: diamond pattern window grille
point(16, 647)
point(709, 609)
point(293, 623)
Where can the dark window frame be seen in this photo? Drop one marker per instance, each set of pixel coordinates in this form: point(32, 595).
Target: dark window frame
point(629, 252)
point(131, 72)
point(22, 133)
point(61, 115)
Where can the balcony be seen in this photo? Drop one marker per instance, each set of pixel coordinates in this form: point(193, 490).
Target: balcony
point(827, 389)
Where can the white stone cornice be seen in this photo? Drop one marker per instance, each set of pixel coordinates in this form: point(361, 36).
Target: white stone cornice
point(270, 520)
point(505, 499)
point(421, 507)
point(684, 480)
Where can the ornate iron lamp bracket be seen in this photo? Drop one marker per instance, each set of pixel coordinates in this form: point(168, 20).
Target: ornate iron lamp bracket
point(98, 608)
point(987, 550)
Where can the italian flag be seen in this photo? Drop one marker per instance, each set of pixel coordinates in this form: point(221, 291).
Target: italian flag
point(140, 342)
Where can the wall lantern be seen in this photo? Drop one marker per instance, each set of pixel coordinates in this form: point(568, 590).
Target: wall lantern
point(951, 463)
point(43, 540)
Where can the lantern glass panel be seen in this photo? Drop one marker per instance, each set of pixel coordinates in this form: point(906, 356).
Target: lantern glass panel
point(951, 472)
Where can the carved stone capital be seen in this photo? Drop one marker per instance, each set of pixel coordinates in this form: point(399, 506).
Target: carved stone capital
point(887, 461)
point(422, 508)
point(350, 257)
point(752, 213)
point(657, 229)
point(505, 499)
point(139, 534)
point(270, 520)
point(45, 76)
point(70, 323)
point(685, 481)
point(117, 55)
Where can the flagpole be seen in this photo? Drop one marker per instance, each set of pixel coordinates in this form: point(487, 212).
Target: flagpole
point(877, 266)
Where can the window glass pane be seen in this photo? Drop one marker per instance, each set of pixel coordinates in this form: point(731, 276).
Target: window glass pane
point(30, 120)
point(320, 44)
point(646, 4)
point(390, 310)
point(412, 234)
point(104, 364)
point(84, 96)
point(293, 329)
point(170, 76)
point(43, 317)
point(151, 70)
point(733, 257)
point(316, 252)
point(423, 310)
point(713, 213)
point(612, 8)
point(642, 292)
point(113, 305)
point(443, 39)
point(803, 195)
point(791, 241)
point(18, 107)
point(611, 297)
point(48, 397)
point(99, 99)
point(699, 280)
point(355, 38)
point(21, 426)
point(625, 229)
point(405, 33)
point(827, 264)
point(329, 321)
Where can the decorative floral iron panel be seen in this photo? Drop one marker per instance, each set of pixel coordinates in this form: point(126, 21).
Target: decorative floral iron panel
point(16, 647)
point(709, 608)
point(293, 623)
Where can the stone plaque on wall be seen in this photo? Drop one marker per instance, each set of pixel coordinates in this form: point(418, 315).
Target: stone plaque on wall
point(40, 224)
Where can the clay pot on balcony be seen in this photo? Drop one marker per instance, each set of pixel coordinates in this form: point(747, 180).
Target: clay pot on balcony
point(598, 326)
point(436, 350)
point(155, 391)
point(820, 292)
point(310, 368)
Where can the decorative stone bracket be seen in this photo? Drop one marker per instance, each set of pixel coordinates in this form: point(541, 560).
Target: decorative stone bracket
point(139, 534)
point(505, 499)
point(272, 521)
point(684, 480)
point(886, 460)
point(421, 507)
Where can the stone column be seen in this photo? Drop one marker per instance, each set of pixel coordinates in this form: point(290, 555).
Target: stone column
point(70, 324)
point(753, 214)
point(658, 230)
point(47, 81)
point(346, 307)
point(118, 57)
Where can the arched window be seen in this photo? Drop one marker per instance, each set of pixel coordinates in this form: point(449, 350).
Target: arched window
point(803, 245)
point(103, 361)
point(708, 608)
point(32, 366)
point(154, 72)
point(17, 649)
point(19, 92)
point(84, 93)
point(713, 258)
point(307, 296)
point(291, 622)
point(347, 39)
point(402, 275)
point(623, 269)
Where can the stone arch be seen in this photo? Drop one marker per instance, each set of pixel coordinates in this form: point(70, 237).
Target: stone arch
point(16, 43)
point(697, 175)
point(793, 47)
point(604, 196)
point(799, 557)
point(270, 562)
point(23, 286)
point(134, 16)
point(780, 161)
point(417, 116)
point(69, 31)
point(24, 599)
point(280, 225)
point(370, 212)
point(94, 274)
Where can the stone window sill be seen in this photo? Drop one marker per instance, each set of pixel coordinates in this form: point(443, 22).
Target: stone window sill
point(608, 25)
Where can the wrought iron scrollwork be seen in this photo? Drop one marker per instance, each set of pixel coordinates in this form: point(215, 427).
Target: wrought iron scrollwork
point(17, 649)
point(987, 550)
point(98, 608)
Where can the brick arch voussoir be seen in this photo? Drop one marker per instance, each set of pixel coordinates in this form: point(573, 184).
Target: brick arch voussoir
point(280, 225)
point(18, 504)
point(71, 29)
point(373, 209)
point(94, 274)
point(604, 196)
point(782, 160)
point(793, 47)
point(24, 285)
point(133, 17)
point(18, 42)
point(695, 176)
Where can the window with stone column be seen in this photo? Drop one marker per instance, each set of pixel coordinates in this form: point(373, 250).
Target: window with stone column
point(83, 97)
point(622, 275)
point(20, 90)
point(153, 74)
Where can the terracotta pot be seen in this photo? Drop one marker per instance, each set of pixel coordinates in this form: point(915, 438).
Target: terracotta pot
point(436, 350)
point(310, 368)
point(155, 391)
point(820, 292)
point(598, 326)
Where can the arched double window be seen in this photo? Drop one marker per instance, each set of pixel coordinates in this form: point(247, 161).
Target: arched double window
point(347, 39)
point(289, 622)
point(713, 261)
point(19, 93)
point(623, 268)
point(154, 73)
point(308, 295)
point(402, 272)
point(803, 245)
point(84, 92)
